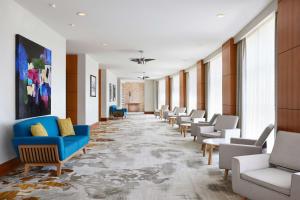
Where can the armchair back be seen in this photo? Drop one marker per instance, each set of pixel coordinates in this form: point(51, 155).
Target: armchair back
point(213, 120)
point(226, 122)
point(265, 134)
point(286, 150)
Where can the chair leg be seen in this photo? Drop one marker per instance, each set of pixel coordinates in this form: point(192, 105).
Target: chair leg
point(84, 150)
point(58, 169)
point(26, 169)
point(204, 149)
point(226, 174)
point(194, 138)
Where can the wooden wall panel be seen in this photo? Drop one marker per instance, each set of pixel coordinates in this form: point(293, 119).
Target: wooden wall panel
point(288, 25)
point(229, 77)
point(288, 82)
point(71, 87)
point(168, 91)
point(182, 89)
point(201, 84)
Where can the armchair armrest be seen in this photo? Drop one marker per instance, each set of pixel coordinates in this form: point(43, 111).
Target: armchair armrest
point(185, 118)
point(229, 133)
point(228, 151)
point(295, 192)
point(199, 120)
point(242, 141)
point(250, 162)
point(35, 140)
point(83, 130)
point(206, 129)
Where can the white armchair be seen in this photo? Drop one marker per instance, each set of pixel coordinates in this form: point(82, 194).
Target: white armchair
point(159, 112)
point(194, 116)
point(225, 127)
point(242, 147)
point(168, 113)
point(274, 176)
point(194, 126)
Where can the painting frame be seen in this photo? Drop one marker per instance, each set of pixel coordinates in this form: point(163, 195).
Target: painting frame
point(33, 72)
point(93, 86)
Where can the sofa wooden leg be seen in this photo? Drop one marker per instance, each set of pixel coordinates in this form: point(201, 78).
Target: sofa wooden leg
point(58, 169)
point(194, 138)
point(226, 174)
point(84, 150)
point(26, 169)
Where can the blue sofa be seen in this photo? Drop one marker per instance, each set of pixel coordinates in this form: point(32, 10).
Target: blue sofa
point(115, 112)
point(66, 146)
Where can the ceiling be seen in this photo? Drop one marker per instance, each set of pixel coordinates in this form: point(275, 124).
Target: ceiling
point(177, 33)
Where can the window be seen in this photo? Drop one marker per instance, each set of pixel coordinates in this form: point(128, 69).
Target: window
point(259, 82)
point(214, 87)
point(192, 89)
point(175, 91)
point(161, 93)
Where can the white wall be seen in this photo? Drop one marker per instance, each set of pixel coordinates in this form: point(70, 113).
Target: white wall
point(107, 77)
point(149, 95)
point(87, 106)
point(16, 20)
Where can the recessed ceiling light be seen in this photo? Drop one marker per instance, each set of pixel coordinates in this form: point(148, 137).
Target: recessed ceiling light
point(52, 5)
point(82, 14)
point(105, 44)
point(72, 25)
point(220, 15)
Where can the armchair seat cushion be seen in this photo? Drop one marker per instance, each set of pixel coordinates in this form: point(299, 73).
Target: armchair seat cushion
point(275, 179)
point(211, 135)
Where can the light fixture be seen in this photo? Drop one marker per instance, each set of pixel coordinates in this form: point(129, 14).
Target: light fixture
point(52, 5)
point(220, 15)
point(72, 25)
point(81, 14)
point(105, 44)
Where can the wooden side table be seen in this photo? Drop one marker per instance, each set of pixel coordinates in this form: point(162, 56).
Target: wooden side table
point(212, 143)
point(172, 120)
point(184, 128)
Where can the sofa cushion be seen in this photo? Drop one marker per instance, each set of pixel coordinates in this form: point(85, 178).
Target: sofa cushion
point(263, 137)
point(38, 130)
point(22, 128)
point(275, 179)
point(211, 135)
point(286, 150)
point(66, 127)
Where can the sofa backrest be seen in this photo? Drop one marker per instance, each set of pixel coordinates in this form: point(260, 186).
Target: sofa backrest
point(22, 129)
point(286, 150)
point(226, 122)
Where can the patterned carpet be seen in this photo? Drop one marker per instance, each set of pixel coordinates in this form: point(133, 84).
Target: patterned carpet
point(139, 158)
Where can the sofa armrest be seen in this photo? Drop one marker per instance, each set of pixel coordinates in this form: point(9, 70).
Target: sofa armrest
point(206, 129)
point(242, 141)
point(35, 140)
point(83, 130)
point(250, 162)
point(229, 133)
point(228, 151)
point(295, 192)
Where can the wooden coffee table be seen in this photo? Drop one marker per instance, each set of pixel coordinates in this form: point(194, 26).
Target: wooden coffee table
point(212, 143)
point(184, 128)
point(172, 120)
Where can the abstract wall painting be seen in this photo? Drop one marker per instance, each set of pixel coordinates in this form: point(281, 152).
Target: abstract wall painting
point(33, 79)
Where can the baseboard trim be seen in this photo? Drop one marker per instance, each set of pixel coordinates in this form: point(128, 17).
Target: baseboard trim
point(104, 119)
point(148, 112)
point(9, 166)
